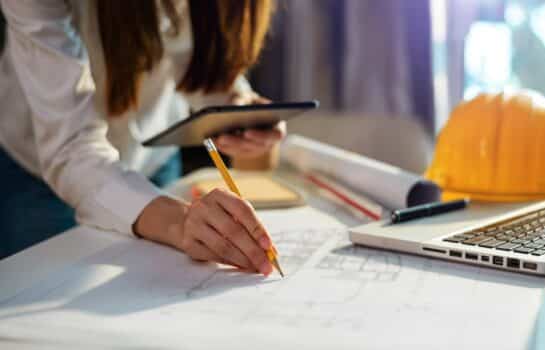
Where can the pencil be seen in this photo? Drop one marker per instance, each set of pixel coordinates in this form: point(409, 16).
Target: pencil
point(220, 165)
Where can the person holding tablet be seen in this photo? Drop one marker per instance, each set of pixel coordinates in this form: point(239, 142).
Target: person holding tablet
point(83, 81)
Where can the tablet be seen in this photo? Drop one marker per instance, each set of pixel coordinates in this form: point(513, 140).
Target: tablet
point(216, 120)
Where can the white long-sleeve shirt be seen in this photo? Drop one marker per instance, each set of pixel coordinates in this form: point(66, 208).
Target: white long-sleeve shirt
point(53, 119)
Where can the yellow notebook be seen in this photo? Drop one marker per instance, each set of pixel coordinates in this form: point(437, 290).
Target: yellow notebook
point(262, 191)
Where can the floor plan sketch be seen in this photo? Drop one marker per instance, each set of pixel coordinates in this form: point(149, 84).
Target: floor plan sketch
point(331, 287)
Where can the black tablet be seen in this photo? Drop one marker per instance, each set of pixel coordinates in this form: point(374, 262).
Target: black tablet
point(216, 120)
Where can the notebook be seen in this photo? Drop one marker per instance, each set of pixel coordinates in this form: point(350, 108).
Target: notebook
point(262, 191)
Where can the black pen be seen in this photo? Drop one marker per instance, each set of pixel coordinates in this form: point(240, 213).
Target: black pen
point(425, 210)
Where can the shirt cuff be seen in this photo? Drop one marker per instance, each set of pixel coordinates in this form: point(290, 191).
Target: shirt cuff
point(118, 203)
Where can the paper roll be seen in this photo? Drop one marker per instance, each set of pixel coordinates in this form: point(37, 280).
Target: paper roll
point(391, 186)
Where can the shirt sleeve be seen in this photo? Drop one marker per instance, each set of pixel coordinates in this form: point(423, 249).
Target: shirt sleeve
point(76, 159)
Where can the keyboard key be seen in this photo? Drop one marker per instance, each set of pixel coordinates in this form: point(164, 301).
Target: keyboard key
point(454, 239)
point(458, 238)
point(523, 234)
point(476, 240)
point(534, 246)
point(523, 250)
point(504, 238)
point(521, 241)
point(491, 244)
point(508, 246)
point(538, 252)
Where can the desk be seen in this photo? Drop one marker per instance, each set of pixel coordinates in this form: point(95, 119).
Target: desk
point(91, 289)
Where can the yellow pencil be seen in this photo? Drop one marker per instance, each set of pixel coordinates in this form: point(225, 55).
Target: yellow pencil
point(218, 162)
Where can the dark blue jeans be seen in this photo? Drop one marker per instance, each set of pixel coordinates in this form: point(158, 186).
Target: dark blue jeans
point(30, 212)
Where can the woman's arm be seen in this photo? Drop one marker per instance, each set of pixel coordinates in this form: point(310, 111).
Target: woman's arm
point(76, 159)
point(83, 168)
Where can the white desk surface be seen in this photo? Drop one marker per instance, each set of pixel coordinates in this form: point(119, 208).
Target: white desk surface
point(91, 289)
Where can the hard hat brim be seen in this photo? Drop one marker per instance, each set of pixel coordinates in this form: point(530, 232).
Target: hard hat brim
point(488, 197)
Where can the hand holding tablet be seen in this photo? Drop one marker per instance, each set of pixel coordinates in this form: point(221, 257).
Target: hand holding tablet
point(217, 120)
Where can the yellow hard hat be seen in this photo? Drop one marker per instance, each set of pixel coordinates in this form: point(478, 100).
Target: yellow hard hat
point(493, 149)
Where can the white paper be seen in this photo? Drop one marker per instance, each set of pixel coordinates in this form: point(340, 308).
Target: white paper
point(391, 186)
point(335, 296)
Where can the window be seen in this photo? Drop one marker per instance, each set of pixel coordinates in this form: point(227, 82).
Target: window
point(486, 45)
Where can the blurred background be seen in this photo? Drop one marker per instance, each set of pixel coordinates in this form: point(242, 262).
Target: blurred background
point(417, 57)
point(393, 64)
point(388, 72)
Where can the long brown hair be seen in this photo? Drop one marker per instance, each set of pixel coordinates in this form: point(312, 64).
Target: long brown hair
point(227, 38)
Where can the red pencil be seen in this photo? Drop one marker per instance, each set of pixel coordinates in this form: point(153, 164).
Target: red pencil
point(358, 202)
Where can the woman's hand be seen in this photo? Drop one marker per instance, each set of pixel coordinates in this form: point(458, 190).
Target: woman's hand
point(248, 98)
point(252, 143)
point(218, 227)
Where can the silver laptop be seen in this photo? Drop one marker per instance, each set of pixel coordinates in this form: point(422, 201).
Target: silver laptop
point(503, 236)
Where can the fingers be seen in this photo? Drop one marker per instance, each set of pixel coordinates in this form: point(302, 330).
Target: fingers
point(223, 249)
point(237, 235)
point(198, 251)
point(260, 100)
point(240, 147)
point(248, 98)
point(228, 227)
point(267, 137)
point(238, 100)
point(254, 143)
point(242, 143)
point(197, 233)
point(245, 214)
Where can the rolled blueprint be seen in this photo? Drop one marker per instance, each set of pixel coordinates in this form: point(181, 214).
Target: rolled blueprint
point(391, 186)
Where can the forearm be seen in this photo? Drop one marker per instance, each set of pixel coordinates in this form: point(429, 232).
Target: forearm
point(162, 221)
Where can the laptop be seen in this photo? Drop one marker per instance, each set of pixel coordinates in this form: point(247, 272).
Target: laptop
point(503, 236)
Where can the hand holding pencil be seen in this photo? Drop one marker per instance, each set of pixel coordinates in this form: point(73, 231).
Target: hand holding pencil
point(220, 165)
point(220, 226)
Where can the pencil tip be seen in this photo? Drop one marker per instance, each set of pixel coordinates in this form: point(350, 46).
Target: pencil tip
point(277, 265)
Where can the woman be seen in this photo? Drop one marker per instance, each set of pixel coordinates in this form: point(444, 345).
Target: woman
point(83, 81)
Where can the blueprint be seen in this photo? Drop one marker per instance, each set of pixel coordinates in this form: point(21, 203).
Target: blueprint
point(335, 295)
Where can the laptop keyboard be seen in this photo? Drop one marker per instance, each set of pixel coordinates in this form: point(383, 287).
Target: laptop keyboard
point(524, 234)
